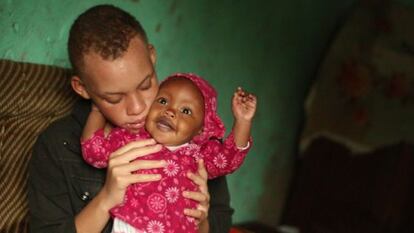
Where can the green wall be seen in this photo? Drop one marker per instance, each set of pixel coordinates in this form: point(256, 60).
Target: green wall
point(272, 48)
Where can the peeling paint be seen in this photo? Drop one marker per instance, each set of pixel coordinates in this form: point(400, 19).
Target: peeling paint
point(173, 7)
point(15, 27)
point(158, 27)
point(23, 56)
point(178, 21)
point(9, 53)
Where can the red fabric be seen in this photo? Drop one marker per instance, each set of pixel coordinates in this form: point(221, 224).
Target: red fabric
point(160, 205)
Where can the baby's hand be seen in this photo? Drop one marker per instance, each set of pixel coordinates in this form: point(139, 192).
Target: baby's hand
point(97, 112)
point(243, 105)
point(94, 107)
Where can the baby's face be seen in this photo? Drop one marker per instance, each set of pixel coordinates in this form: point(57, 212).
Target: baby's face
point(177, 114)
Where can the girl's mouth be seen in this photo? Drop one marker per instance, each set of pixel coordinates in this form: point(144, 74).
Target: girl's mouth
point(136, 126)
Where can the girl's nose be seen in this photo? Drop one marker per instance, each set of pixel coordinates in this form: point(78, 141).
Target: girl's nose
point(135, 105)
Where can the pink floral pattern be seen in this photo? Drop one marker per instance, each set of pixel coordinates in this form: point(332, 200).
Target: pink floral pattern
point(159, 206)
point(220, 161)
point(155, 227)
point(172, 168)
point(157, 203)
point(172, 194)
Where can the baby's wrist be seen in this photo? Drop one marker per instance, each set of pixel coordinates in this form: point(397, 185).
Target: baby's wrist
point(94, 108)
point(243, 121)
point(96, 112)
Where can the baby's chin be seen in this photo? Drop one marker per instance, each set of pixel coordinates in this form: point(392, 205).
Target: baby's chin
point(164, 140)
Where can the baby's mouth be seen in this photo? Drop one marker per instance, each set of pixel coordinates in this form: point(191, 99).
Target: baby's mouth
point(164, 124)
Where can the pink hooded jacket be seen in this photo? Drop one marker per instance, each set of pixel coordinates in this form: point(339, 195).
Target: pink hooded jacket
point(159, 206)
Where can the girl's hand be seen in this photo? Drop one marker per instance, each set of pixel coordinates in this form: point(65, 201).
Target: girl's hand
point(243, 105)
point(202, 197)
point(121, 165)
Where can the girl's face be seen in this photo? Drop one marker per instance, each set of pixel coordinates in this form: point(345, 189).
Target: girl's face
point(123, 89)
point(177, 114)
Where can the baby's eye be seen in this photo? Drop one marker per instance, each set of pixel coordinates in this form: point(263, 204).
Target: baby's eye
point(186, 111)
point(162, 101)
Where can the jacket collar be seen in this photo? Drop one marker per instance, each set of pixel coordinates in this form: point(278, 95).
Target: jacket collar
point(80, 114)
point(81, 111)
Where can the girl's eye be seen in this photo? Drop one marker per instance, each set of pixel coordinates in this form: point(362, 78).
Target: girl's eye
point(145, 86)
point(113, 101)
point(162, 101)
point(186, 111)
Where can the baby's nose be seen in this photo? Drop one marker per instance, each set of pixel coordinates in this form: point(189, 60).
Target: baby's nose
point(169, 113)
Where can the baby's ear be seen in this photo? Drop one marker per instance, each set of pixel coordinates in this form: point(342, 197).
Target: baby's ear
point(79, 87)
point(200, 131)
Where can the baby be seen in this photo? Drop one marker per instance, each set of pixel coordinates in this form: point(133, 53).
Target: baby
point(183, 118)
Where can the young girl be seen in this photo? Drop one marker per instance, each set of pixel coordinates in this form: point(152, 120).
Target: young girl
point(183, 118)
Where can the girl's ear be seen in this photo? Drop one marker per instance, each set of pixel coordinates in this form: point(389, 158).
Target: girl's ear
point(79, 87)
point(153, 54)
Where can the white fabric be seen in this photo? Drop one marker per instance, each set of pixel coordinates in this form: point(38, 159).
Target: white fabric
point(173, 148)
point(245, 147)
point(123, 227)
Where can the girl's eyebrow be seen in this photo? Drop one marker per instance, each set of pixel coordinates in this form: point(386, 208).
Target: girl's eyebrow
point(146, 79)
point(113, 93)
point(140, 84)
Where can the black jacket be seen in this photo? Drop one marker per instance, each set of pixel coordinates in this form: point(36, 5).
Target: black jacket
point(60, 183)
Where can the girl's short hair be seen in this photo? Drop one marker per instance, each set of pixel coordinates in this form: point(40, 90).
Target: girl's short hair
point(105, 30)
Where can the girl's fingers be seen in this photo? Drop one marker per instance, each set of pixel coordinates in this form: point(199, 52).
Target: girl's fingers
point(202, 208)
point(197, 214)
point(200, 182)
point(199, 179)
point(202, 169)
point(133, 153)
point(196, 196)
point(125, 180)
point(145, 164)
point(127, 168)
point(132, 145)
point(140, 178)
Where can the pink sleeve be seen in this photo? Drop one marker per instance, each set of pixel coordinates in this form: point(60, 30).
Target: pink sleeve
point(96, 150)
point(223, 158)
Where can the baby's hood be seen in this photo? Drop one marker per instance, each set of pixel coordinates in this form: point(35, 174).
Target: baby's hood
point(213, 126)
